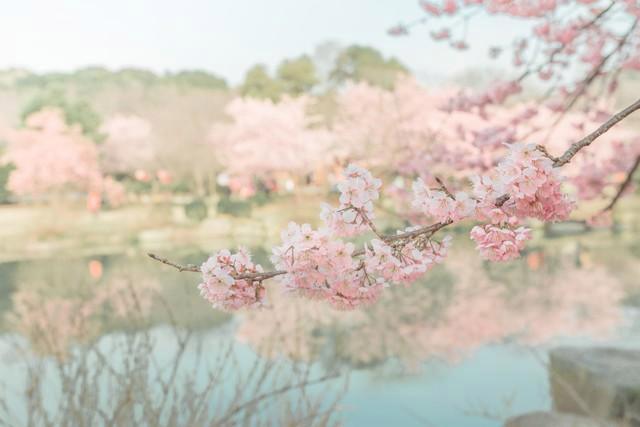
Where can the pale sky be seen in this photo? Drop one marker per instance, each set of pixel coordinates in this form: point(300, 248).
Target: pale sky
point(222, 36)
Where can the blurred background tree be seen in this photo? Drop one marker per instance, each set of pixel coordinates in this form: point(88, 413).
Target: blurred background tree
point(259, 84)
point(76, 112)
point(363, 63)
point(297, 75)
point(5, 171)
point(196, 79)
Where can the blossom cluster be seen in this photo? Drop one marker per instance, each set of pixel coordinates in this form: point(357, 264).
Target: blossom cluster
point(499, 244)
point(526, 185)
point(321, 267)
point(531, 185)
point(221, 286)
point(407, 263)
point(439, 205)
point(357, 193)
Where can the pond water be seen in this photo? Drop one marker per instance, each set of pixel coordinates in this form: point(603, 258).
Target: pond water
point(123, 340)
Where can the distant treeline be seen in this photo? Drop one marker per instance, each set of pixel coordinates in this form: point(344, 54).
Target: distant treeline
point(293, 76)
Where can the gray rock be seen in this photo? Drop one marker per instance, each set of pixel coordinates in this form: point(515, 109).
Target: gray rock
point(596, 382)
point(555, 419)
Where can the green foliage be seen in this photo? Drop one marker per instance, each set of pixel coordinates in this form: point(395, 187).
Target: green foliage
point(75, 112)
point(133, 185)
point(234, 207)
point(363, 63)
point(196, 79)
point(91, 79)
point(196, 210)
point(298, 75)
point(259, 84)
point(134, 75)
point(86, 78)
point(5, 171)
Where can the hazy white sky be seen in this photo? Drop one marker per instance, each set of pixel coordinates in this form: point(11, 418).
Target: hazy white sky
point(222, 36)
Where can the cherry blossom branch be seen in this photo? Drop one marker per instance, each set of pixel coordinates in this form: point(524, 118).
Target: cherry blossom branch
point(254, 277)
point(404, 238)
point(427, 231)
point(584, 142)
point(623, 186)
point(180, 268)
point(370, 223)
point(444, 188)
point(331, 269)
point(601, 130)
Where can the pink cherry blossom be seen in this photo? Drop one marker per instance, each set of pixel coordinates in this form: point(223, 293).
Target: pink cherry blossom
point(358, 191)
point(439, 205)
point(221, 288)
point(321, 267)
point(499, 244)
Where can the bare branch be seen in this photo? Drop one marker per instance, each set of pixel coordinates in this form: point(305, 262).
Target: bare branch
point(254, 277)
point(444, 188)
point(587, 140)
point(180, 268)
point(623, 186)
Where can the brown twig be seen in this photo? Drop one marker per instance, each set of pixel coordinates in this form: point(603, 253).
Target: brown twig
point(601, 130)
point(444, 188)
point(180, 268)
point(254, 277)
point(623, 186)
point(544, 151)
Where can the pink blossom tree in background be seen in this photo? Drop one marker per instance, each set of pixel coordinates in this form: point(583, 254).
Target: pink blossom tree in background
point(52, 158)
point(512, 163)
point(49, 156)
point(408, 133)
point(265, 138)
point(128, 146)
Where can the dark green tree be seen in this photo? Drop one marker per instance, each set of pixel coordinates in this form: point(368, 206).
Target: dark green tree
point(297, 75)
point(5, 171)
point(196, 79)
point(77, 112)
point(259, 84)
point(363, 63)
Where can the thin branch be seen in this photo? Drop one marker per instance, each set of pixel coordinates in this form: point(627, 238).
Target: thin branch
point(180, 268)
point(544, 151)
point(270, 394)
point(444, 188)
point(254, 277)
point(623, 186)
point(587, 140)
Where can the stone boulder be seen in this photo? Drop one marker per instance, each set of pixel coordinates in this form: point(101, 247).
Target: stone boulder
point(596, 382)
point(555, 419)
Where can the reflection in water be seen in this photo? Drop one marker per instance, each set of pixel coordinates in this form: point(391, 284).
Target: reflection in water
point(53, 323)
point(164, 377)
point(118, 333)
point(458, 309)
